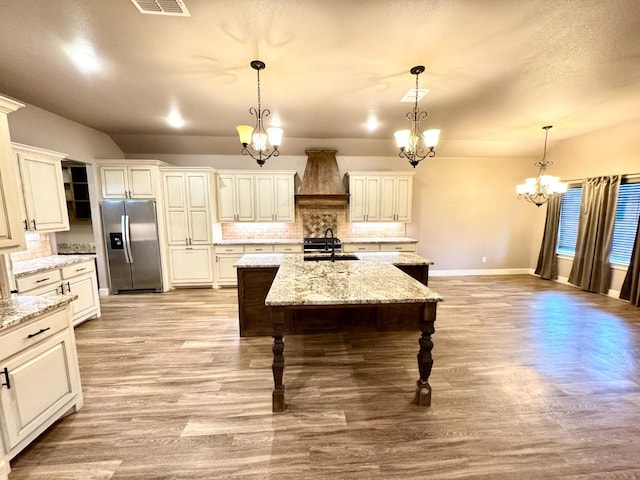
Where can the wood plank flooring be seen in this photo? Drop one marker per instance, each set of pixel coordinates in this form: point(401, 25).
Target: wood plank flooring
point(532, 380)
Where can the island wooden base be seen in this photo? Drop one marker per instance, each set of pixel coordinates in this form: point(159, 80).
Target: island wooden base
point(426, 320)
point(254, 316)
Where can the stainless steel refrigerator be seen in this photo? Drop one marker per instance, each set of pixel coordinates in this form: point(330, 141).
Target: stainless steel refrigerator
point(131, 237)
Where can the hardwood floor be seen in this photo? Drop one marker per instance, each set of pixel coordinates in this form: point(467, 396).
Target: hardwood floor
point(532, 380)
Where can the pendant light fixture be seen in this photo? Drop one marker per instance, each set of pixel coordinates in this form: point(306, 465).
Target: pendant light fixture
point(258, 143)
point(413, 145)
point(540, 189)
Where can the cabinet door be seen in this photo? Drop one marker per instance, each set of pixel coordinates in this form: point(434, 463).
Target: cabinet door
point(357, 201)
point(114, 182)
point(199, 211)
point(43, 379)
point(43, 190)
point(226, 274)
point(388, 199)
point(226, 198)
point(265, 208)
point(11, 226)
point(373, 198)
point(284, 209)
point(88, 302)
point(191, 265)
point(245, 198)
point(175, 208)
point(403, 199)
point(140, 180)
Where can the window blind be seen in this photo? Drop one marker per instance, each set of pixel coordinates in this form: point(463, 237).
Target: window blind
point(624, 231)
point(568, 228)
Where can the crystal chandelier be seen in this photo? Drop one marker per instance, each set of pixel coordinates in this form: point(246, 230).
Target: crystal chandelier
point(414, 146)
point(258, 143)
point(539, 190)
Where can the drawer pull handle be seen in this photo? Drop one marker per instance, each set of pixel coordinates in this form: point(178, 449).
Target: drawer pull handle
point(42, 280)
point(80, 269)
point(42, 330)
point(7, 382)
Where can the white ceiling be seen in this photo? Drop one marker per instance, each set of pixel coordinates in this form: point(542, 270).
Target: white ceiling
point(497, 70)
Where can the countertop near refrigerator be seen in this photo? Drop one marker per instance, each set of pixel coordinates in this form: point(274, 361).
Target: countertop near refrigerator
point(43, 264)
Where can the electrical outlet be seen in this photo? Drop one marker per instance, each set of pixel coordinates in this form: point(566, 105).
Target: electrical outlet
point(484, 259)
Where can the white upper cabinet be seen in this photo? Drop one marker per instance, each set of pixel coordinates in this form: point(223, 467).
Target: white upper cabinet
point(121, 179)
point(11, 220)
point(45, 206)
point(380, 196)
point(364, 203)
point(396, 198)
point(187, 206)
point(127, 182)
point(274, 198)
point(236, 197)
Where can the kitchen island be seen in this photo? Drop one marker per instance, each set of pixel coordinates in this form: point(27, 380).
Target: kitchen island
point(318, 285)
point(256, 272)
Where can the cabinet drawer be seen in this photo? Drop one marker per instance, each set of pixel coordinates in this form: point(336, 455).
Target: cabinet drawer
point(29, 282)
point(229, 249)
point(26, 335)
point(258, 249)
point(287, 248)
point(361, 247)
point(77, 269)
point(398, 247)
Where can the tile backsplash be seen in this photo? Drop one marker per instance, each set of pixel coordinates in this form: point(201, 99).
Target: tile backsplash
point(312, 222)
point(38, 245)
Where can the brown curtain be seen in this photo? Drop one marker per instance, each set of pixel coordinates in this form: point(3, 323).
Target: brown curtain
point(631, 285)
point(547, 266)
point(591, 269)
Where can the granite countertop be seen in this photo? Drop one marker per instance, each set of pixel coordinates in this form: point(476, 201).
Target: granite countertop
point(379, 240)
point(19, 309)
point(43, 264)
point(344, 283)
point(261, 260)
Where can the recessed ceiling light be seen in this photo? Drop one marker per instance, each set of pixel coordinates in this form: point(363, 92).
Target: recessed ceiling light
point(372, 123)
point(175, 119)
point(86, 61)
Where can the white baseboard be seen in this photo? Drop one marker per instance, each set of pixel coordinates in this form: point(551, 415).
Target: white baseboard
point(104, 292)
point(565, 281)
point(487, 271)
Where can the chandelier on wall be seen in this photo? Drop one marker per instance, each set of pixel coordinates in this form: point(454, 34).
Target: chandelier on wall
point(540, 189)
point(258, 143)
point(413, 145)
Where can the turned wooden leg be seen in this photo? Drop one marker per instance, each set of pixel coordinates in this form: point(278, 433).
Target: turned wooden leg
point(425, 360)
point(277, 320)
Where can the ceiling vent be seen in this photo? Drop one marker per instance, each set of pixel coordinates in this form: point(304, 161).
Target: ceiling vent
point(162, 7)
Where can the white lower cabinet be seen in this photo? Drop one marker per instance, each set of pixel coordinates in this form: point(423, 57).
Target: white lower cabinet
point(226, 257)
point(191, 266)
point(78, 279)
point(41, 379)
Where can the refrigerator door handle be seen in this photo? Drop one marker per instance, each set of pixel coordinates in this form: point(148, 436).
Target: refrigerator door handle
point(124, 223)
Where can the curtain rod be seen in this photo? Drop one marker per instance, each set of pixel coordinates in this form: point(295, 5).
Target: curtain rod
point(626, 175)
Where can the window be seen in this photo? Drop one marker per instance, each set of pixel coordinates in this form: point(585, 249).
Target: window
point(624, 231)
point(568, 228)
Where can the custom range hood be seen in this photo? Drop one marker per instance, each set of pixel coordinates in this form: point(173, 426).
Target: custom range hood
point(321, 184)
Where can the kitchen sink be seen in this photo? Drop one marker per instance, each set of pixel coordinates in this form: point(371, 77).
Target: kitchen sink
point(327, 258)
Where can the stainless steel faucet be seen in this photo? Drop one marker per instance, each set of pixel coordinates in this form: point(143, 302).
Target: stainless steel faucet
point(333, 243)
